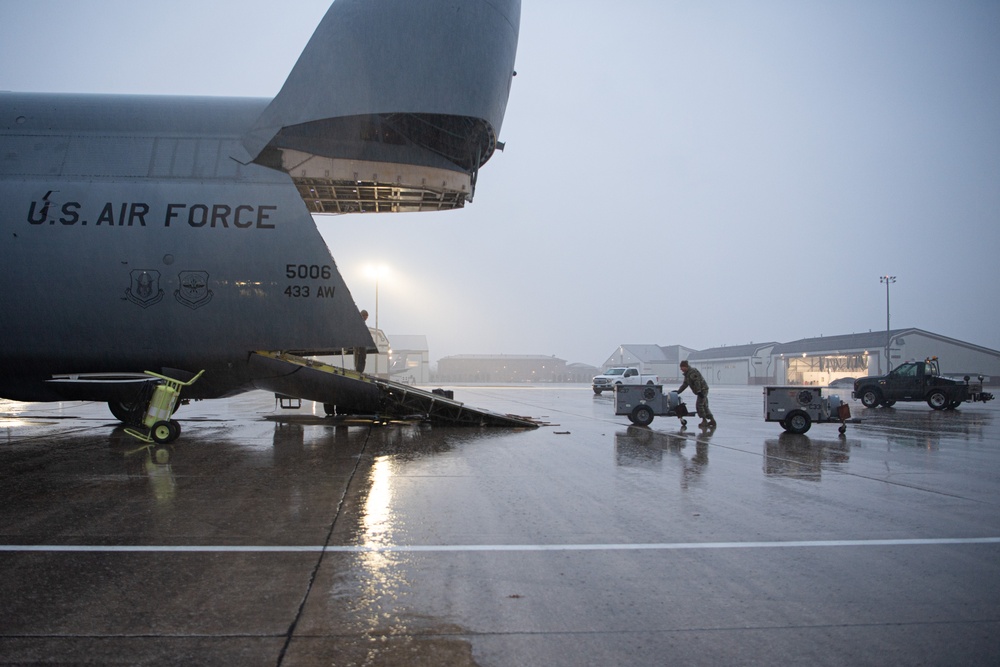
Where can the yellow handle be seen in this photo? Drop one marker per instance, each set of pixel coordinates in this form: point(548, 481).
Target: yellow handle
point(175, 381)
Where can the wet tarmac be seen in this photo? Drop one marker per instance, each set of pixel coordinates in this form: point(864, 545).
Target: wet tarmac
point(272, 537)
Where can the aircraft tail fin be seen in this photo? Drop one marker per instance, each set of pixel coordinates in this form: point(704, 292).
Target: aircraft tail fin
point(403, 98)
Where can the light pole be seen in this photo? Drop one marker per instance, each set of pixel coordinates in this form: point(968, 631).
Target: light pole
point(887, 280)
point(377, 272)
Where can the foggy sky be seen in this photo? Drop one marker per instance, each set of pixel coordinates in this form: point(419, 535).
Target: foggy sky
point(693, 173)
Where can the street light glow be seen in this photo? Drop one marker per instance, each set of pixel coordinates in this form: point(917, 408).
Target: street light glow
point(376, 271)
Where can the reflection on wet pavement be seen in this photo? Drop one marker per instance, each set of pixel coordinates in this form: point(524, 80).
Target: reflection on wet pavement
point(589, 541)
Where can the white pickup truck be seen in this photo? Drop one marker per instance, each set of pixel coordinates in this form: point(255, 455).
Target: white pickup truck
point(621, 375)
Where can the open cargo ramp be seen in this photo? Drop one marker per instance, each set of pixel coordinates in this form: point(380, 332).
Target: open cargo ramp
point(353, 393)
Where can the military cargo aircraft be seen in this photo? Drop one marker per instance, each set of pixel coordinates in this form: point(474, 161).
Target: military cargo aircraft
point(175, 234)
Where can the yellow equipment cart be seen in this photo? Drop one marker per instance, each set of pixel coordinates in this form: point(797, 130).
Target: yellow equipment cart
point(160, 428)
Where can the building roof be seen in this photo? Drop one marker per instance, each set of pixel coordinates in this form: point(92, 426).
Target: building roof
point(523, 357)
point(732, 351)
point(872, 340)
point(581, 366)
point(646, 353)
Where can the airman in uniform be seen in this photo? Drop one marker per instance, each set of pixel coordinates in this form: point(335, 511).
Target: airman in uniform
point(361, 353)
point(694, 379)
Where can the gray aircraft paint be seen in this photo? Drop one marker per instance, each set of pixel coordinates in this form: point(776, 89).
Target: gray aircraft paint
point(134, 240)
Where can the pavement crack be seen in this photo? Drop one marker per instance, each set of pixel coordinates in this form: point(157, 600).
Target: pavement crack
point(322, 554)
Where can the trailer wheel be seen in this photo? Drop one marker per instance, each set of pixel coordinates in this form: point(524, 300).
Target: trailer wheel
point(161, 432)
point(598, 391)
point(954, 404)
point(938, 400)
point(175, 429)
point(642, 415)
point(888, 404)
point(797, 422)
point(871, 397)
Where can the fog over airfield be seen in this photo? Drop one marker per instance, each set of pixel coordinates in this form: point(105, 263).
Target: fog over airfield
point(693, 173)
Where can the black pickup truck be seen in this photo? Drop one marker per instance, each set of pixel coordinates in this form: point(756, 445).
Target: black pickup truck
point(918, 381)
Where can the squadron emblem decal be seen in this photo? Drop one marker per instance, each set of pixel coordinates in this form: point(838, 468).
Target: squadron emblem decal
point(145, 289)
point(193, 291)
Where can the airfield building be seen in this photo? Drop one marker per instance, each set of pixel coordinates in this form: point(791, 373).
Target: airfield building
point(501, 368)
point(409, 359)
point(819, 360)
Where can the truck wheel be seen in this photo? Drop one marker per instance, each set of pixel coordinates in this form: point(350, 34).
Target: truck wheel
point(888, 404)
point(938, 400)
point(954, 404)
point(642, 415)
point(797, 422)
point(598, 391)
point(871, 397)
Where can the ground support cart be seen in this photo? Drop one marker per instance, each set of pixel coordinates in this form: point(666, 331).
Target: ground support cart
point(797, 407)
point(158, 425)
point(640, 403)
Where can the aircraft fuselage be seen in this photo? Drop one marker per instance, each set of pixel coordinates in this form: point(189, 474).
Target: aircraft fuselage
point(167, 254)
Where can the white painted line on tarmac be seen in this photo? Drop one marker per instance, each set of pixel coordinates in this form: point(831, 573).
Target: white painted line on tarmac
point(665, 546)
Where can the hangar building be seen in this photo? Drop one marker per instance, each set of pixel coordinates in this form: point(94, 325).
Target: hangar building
point(501, 368)
point(651, 359)
point(821, 360)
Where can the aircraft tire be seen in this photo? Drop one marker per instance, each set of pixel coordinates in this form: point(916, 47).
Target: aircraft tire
point(127, 412)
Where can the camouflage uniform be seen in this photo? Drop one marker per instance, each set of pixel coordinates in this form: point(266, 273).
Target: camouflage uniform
point(694, 379)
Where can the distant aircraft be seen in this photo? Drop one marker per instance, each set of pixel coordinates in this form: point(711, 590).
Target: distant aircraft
point(174, 234)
